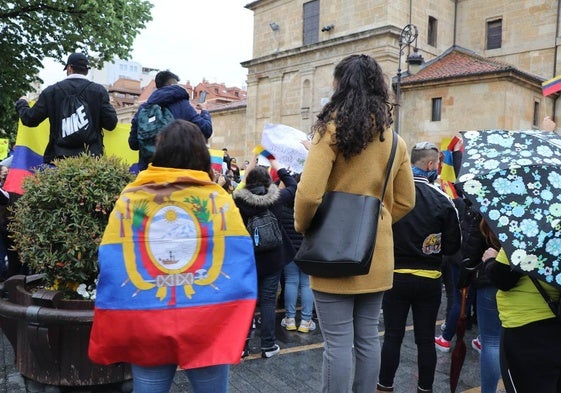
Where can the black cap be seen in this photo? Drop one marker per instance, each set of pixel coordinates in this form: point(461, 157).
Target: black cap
point(77, 59)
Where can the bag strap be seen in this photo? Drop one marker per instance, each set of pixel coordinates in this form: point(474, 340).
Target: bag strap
point(554, 306)
point(388, 170)
point(390, 164)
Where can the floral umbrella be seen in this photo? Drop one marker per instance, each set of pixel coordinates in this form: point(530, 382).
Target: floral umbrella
point(518, 190)
point(487, 150)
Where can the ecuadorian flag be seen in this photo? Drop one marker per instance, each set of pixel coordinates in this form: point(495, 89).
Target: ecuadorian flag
point(452, 151)
point(31, 143)
point(177, 275)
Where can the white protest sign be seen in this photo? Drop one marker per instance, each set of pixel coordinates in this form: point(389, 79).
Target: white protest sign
point(286, 145)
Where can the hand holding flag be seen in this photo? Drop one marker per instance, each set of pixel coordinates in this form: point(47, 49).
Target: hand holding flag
point(260, 150)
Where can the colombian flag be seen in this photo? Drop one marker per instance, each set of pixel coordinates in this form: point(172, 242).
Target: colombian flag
point(177, 275)
point(551, 86)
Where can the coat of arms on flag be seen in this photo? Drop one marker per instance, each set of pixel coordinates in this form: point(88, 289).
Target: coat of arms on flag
point(177, 274)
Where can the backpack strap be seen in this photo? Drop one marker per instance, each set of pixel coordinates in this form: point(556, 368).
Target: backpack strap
point(79, 93)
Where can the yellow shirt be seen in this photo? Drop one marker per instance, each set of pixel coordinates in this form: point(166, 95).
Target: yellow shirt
point(421, 273)
point(523, 304)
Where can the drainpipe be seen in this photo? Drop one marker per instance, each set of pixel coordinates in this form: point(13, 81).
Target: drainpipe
point(555, 55)
point(456, 21)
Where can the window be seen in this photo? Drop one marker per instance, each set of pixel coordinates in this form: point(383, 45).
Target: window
point(536, 117)
point(436, 109)
point(311, 22)
point(494, 33)
point(202, 96)
point(431, 35)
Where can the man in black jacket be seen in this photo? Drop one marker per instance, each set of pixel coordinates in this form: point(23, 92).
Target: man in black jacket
point(421, 238)
point(75, 123)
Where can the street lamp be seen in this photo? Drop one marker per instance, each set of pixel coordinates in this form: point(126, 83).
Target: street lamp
point(408, 36)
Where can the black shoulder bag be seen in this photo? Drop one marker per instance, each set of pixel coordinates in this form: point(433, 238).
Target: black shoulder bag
point(342, 235)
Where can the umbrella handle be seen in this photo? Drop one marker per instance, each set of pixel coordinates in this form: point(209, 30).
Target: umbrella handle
point(464, 297)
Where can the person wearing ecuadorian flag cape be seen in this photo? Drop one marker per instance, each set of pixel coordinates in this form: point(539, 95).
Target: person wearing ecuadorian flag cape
point(177, 284)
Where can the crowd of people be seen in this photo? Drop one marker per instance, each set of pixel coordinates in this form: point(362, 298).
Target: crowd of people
point(427, 235)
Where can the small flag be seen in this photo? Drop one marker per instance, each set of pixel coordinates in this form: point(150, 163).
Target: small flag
point(451, 149)
point(216, 159)
point(260, 150)
point(551, 86)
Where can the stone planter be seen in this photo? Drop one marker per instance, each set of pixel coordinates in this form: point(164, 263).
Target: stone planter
point(50, 336)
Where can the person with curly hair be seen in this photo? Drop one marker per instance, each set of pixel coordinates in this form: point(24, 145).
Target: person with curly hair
point(349, 152)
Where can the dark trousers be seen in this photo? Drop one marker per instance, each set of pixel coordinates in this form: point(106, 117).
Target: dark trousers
point(421, 295)
point(454, 313)
point(268, 287)
point(531, 357)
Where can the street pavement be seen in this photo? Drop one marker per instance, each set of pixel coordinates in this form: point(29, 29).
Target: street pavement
point(297, 368)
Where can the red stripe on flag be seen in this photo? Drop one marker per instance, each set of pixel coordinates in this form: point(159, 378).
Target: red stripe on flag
point(190, 337)
point(551, 87)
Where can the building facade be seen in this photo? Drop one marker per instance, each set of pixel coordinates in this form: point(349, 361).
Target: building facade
point(298, 42)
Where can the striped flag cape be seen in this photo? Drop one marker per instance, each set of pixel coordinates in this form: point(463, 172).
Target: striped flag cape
point(177, 278)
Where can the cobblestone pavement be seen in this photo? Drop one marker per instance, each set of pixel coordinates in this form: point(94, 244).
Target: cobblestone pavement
point(296, 369)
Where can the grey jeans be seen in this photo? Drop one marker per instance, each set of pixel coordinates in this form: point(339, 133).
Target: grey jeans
point(349, 324)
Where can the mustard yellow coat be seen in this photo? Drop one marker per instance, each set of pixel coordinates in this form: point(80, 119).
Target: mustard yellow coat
point(327, 170)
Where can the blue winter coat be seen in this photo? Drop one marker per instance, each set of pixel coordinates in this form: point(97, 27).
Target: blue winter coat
point(176, 99)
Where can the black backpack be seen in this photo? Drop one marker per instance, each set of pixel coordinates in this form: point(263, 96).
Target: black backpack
point(265, 231)
point(76, 124)
point(150, 120)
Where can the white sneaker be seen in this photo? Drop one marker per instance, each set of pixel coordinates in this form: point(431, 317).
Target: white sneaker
point(288, 323)
point(306, 326)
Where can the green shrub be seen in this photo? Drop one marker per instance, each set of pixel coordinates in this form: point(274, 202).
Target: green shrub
point(58, 222)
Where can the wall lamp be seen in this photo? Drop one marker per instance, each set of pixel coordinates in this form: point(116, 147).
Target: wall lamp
point(274, 26)
point(327, 28)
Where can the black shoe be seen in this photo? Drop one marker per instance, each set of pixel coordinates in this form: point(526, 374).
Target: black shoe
point(270, 352)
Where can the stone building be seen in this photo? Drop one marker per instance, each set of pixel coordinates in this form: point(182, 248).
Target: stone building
point(124, 92)
point(484, 62)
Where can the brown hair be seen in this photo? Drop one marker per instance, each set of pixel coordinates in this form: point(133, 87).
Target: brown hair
point(181, 144)
point(489, 235)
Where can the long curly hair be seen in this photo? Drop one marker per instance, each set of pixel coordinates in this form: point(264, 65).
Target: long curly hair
point(359, 106)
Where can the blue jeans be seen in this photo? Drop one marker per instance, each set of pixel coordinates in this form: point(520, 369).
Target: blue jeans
point(422, 295)
point(490, 335)
point(454, 313)
point(295, 279)
point(268, 286)
point(158, 379)
point(347, 321)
